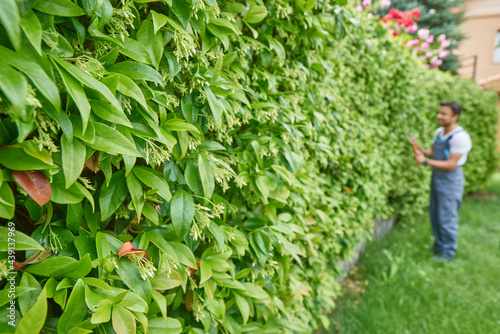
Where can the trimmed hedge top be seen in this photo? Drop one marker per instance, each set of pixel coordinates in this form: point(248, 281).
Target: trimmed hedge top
point(188, 166)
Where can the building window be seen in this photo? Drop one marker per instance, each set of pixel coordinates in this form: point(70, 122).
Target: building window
point(496, 54)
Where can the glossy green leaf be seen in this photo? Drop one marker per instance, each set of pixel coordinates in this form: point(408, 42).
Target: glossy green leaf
point(34, 319)
point(14, 86)
point(27, 300)
point(135, 189)
point(193, 179)
point(137, 71)
point(158, 326)
point(75, 89)
point(73, 159)
point(87, 80)
point(75, 310)
point(154, 180)
point(58, 7)
point(113, 195)
point(63, 195)
point(103, 312)
point(106, 111)
point(110, 140)
point(21, 240)
point(182, 212)
point(206, 271)
point(31, 26)
point(7, 203)
point(130, 275)
point(10, 19)
point(62, 266)
point(215, 105)
point(206, 175)
point(35, 72)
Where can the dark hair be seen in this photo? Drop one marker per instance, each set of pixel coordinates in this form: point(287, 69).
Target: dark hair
point(455, 107)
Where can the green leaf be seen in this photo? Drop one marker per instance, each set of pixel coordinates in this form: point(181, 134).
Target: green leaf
point(123, 321)
point(103, 312)
point(135, 50)
point(135, 190)
point(154, 180)
point(89, 81)
point(33, 30)
point(110, 140)
point(162, 244)
point(34, 319)
point(33, 149)
point(137, 71)
point(10, 19)
point(61, 195)
point(206, 175)
point(73, 159)
point(255, 13)
point(6, 294)
point(177, 124)
point(16, 158)
point(74, 217)
point(192, 177)
point(150, 213)
point(128, 87)
point(35, 72)
point(206, 271)
point(113, 195)
point(184, 254)
point(188, 109)
point(161, 302)
point(215, 105)
point(7, 203)
point(15, 87)
point(182, 11)
point(106, 111)
point(59, 8)
point(182, 212)
point(27, 300)
point(158, 326)
point(75, 310)
point(22, 241)
point(97, 283)
point(243, 306)
point(62, 266)
point(159, 20)
point(77, 93)
point(130, 275)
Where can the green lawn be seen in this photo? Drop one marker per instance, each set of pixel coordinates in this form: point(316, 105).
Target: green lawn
point(399, 289)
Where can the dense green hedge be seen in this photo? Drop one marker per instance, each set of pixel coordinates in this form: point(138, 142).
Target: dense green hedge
point(246, 146)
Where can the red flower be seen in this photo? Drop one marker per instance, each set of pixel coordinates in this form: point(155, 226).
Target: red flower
point(395, 33)
point(415, 12)
point(396, 14)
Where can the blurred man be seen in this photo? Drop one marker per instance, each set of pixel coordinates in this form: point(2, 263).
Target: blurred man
point(448, 153)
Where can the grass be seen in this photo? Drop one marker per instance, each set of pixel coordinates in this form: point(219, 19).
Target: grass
point(397, 288)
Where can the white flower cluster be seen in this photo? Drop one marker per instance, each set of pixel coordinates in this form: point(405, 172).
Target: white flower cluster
point(185, 45)
point(166, 264)
point(146, 268)
point(120, 23)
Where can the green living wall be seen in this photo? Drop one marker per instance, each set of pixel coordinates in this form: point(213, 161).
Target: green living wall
point(243, 148)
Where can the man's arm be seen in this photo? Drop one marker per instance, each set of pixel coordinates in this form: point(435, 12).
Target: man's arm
point(428, 153)
point(449, 164)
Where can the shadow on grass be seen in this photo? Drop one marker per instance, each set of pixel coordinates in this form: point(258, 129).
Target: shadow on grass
point(397, 288)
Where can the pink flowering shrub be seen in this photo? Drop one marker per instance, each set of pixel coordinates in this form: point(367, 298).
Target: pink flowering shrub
point(429, 49)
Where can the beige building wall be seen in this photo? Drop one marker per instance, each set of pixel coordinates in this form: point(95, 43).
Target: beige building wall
point(481, 27)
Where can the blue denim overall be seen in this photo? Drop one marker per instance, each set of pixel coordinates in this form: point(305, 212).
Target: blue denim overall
point(446, 197)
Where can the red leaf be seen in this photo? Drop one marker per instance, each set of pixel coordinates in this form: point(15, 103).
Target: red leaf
point(35, 184)
point(127, 249)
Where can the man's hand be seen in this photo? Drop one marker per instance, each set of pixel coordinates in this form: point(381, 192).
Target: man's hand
point(419, 157)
